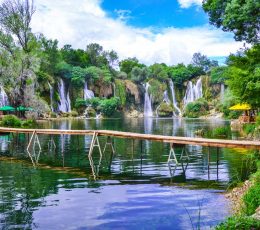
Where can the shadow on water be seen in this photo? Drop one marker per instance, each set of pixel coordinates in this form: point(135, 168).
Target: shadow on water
point(60, 186)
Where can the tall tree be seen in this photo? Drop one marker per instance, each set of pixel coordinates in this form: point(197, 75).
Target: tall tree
point(244, 75)
point(17, 39)
point(203, 62)
point(242, 17)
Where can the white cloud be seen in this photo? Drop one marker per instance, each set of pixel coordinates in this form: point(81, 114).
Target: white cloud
point(83, 22)
point(189, 3)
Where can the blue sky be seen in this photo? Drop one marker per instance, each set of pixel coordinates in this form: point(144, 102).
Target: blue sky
point(156, 13)
point(154, 31)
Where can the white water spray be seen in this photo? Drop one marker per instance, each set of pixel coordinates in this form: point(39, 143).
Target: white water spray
point(174, 101)
point(87, 93)
point(193, 92)
point(64, 105)
point(3, 97)
point(148, 111)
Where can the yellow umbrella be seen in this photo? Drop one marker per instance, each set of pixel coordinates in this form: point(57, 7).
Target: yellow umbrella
point(240, 107)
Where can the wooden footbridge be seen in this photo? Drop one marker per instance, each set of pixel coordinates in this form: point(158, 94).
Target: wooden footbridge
point(172, 140)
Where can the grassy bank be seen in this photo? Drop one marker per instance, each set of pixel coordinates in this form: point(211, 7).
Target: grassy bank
point(248, 196)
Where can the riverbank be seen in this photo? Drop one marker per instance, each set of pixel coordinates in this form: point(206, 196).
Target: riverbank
point(245, 203)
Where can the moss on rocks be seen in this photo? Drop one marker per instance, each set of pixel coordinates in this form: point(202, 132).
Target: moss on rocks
point(165, 110)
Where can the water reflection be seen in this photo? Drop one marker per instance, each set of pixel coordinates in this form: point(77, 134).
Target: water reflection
point(134, 181)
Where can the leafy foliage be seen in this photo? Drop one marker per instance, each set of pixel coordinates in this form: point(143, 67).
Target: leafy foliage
point(244, 75)
point(128, 64)
point(11, 121)
point(203, 62)
point(196, 108)
point(239, 222)
point(238, 16)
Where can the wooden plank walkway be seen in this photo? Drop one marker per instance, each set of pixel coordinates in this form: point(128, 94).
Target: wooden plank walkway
point(139, 136)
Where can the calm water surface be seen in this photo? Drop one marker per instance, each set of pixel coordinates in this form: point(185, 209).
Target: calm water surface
point(134, 189)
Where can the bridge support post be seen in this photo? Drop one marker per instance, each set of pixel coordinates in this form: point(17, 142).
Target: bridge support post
point(109, 142)
point(51, 144)
point(184, 153)
point(95, 143)
point(34, 139)
point(172, 156)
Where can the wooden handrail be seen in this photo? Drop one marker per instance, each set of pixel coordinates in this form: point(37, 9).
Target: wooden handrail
point(151, 137)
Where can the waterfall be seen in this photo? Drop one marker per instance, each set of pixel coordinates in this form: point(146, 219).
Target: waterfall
point(148, 111)
point(3, 97)
point(222, 91)
point(174, 101)
point(193, 92)
point(198, 89)
point(87, 93)
point(64, 105)
point(51, 96)
point(166, 97)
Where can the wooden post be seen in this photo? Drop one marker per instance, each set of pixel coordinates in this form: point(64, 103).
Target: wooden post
point(172, 156)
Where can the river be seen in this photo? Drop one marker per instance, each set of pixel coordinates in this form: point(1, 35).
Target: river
point(134, 189)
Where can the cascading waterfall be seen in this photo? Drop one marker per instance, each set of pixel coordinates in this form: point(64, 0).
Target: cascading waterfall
point(64, 105)
point(3, 97)
point(198, 89)
point(174, 101)
point(193, 92)
point(148, 111)
point(166, 97)
point(51, 96)
point(87, 93)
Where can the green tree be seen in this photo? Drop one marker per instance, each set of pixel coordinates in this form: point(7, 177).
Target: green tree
point(20, 46)
point(128, 64)
point(244, 75)
point(203, 62)
point(140, 74)
point(238, 16)
point(75, 57)
point(96, 55)
point(159, 71)
point(218, 74)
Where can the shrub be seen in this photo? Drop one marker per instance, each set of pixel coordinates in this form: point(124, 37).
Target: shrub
point(30, 123)
point(11, 121)
point(249, 128)
point(94, 102)
point(80, 103)
point(53, 115)
point(245, 223)
point(221, 131)
point(74, 114)
point(252, 199)
point(196, 108)
point(109, 106)
point(165, 110)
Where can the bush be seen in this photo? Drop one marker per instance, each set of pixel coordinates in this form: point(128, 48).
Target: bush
point(221, 131)
point(249, 128)
point(234, 223)
point(80, 103)
point(252, 199)
point(197, 108)
point(11, 121)
point(109, 106)
point(165, 110)
point(30, 123)
point(53, 115)
point(74, 114)
point(94, 102)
